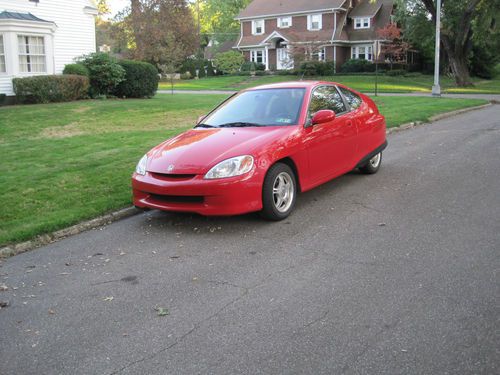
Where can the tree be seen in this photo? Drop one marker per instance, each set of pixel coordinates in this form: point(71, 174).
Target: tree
point(217, 18)
point(394, 47)
point(462, 22)
point(163, 32)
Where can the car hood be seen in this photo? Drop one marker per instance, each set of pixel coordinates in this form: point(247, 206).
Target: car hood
point(198, 150)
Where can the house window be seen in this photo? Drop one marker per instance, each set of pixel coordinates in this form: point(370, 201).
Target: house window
point(258, 56)
point(314, 22)
point(362, 23)
point(284, 22)
point(363, 52)
point(2, 56)
point(31, 54)
point(319, 55)
point(258, 27)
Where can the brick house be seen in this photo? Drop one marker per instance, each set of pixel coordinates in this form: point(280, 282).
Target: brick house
point(272, 31)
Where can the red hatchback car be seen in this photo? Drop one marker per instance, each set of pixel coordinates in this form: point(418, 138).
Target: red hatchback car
point(260, 147)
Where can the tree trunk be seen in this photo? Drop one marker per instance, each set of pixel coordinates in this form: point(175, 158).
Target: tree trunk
point(458, 64)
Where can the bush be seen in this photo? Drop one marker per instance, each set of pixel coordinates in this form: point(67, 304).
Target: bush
point(395, 72)
point(186, 75)
point(76, 69)
point(51, 88)
point(229, 62)
point(3, 99)
point(316, 68)
point(210, 69)
point(141, 80)
point(104, 73)
point(357, 66)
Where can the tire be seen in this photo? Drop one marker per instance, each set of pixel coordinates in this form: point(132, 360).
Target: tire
point(373, 165)
point(279, 192)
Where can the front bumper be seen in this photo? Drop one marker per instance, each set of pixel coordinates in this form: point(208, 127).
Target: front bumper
point(221, 197)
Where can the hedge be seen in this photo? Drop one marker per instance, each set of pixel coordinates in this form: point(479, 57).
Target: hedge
point(76, 69)
point(50, 88)
point(141, 80)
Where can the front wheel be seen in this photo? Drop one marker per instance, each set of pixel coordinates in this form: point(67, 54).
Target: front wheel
point(373, 165)
point(279, 192)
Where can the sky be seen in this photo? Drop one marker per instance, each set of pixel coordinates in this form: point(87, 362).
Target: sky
point(117, 5)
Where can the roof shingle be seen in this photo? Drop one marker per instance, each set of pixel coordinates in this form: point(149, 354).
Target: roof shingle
point(260, 8)
point(5, 15)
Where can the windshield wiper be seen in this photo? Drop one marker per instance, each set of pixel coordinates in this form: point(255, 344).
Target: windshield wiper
point(205, 126)
point(239, 125)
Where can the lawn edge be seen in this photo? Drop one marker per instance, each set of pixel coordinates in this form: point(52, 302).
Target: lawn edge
point(42, 240)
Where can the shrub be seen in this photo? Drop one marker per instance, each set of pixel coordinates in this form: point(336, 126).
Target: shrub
point(104, 73)
point(3, 99)
point(141, 80)
point(186, 75)
point(210, 69)
point(76, 69)
point(357, 66)
point(51, 88)
point(316, 68)
point(396, 72)
point(229, 62)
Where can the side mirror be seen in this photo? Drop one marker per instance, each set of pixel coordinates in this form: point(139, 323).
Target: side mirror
point(200, 119)
point(323, 116)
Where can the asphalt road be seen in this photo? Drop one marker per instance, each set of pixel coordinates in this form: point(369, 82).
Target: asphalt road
point(395, 273)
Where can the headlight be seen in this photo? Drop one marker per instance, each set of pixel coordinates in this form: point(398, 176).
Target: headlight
point(141, 166)
point(231, 167)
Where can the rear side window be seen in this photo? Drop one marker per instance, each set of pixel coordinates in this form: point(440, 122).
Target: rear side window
point(326, 97)
point(353, 99)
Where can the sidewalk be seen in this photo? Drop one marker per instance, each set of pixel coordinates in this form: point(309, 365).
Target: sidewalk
point(489, 97)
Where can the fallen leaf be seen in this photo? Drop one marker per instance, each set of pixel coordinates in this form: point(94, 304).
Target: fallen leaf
point(382, 224)
point(108, 298)
point(162, 311)
point(4, 304)
point(51, 312)
point(3, 287)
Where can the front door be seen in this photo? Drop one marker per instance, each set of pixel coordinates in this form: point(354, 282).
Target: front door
point(284, 59)
point(331, 147)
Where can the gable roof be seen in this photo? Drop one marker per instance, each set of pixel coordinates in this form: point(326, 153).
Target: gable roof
point(366, 8)
point(381, 18)
point(5, 15)
point(262, 8)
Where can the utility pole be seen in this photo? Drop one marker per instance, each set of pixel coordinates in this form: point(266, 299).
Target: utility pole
point(436, 89)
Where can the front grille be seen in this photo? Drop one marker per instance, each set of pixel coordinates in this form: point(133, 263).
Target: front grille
point(177, 198)
point(170, 177)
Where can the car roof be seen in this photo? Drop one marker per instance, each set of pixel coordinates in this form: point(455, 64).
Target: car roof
point(292, 84)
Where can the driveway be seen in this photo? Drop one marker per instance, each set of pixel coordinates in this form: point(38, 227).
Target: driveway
point(395, 273)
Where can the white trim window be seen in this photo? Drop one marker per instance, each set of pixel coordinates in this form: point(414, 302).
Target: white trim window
point(258, 56)
point(31, 54)
point(362, 52)
point(362, 23)
point(3, 67)
point(284, 22)
point(258, 27)
point(319, 55)
point(315, 21)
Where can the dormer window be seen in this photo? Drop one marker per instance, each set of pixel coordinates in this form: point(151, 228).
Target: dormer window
point(258, 27)
point(284, 22)
point(362, 23)
point(314, 22)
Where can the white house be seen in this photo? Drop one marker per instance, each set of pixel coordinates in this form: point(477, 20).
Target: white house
point(40, 37)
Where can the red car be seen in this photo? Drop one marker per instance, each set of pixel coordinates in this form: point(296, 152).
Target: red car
point(260, 147)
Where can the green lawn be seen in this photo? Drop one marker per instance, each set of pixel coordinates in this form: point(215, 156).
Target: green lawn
point(363, 83)
point(64, 163)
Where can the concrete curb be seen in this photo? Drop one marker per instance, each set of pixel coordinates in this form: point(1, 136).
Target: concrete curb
point(435, 118)
point(11, 250)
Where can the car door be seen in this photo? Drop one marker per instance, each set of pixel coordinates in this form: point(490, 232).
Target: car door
point(331, 147)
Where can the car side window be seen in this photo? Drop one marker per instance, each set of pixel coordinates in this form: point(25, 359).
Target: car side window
point(326, 97)
point(352, 98)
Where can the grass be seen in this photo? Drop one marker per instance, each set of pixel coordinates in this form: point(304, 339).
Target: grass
point(64, 163)
point(363, 83)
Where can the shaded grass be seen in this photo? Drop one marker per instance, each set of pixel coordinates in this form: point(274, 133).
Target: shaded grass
point(64, 163)
point(363, 83)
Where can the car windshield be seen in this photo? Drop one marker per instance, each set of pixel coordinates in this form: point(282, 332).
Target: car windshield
point(265, 107)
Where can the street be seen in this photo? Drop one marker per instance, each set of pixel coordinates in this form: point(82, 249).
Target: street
point(395, 273)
